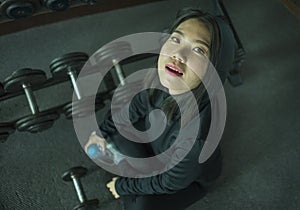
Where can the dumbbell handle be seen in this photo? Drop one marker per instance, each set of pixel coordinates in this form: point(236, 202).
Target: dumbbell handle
point(73, 80)
point(79, 189)
point(119, 72)
point(31, 99)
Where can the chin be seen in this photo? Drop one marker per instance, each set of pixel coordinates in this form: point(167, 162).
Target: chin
point(164, 84)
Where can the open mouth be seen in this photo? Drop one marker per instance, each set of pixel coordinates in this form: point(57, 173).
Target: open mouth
point(174, 70)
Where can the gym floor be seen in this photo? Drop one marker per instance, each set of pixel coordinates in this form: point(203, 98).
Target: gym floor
point(261, 138)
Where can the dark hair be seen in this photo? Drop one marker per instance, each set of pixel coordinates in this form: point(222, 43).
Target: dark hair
point(189, 13)
point(169, 106)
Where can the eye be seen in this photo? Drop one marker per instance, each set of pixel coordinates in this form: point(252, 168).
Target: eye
point(175, 39)
point(199, 50)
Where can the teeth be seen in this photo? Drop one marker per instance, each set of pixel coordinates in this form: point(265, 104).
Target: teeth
point(174, 69)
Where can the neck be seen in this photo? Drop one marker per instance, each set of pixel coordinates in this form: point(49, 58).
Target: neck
point(177, 92)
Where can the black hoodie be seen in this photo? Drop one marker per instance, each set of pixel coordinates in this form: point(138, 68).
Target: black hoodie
point(188, 170)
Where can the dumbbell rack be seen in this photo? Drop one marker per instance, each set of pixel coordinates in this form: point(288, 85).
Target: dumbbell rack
point(17, 106)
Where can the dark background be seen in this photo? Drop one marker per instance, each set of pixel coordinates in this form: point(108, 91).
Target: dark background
point(261, 139)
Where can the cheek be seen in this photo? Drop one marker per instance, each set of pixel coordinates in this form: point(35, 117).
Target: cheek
point(192, 80)
point(164, 55)
point(198, 65)
point(161, 62)
point(195, 79)
point(167, 49)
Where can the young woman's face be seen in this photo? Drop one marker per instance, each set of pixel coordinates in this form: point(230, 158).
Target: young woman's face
point(184, 57)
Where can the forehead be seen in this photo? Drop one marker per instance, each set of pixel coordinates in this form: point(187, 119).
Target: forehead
point(195, 29)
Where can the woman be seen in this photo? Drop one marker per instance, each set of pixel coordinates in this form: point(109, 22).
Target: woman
point(196, 37)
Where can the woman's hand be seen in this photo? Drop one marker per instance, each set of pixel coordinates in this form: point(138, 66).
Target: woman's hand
point(111, 186)
point(94, 139)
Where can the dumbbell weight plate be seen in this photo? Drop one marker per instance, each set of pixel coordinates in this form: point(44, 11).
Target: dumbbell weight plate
point(89, 2)
point(74, 56)
point(18, 8)
point(87, 205)
point(83, 107)
point(59, 66)
point(57, 5)
point(77, 172)
point(115, 50)
point(5, 130)
point(37, 123)
point(24, 76)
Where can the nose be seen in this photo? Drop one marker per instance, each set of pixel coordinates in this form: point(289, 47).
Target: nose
point(179, 56)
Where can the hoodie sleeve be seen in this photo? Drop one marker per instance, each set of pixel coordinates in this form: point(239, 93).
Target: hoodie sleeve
point(137, 110)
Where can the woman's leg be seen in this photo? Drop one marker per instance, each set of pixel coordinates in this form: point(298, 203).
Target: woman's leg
point(132, 149)
point(177, 201)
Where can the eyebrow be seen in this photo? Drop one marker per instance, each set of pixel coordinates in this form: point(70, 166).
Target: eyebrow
point(197, 41)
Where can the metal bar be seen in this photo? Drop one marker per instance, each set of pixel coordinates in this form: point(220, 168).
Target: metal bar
point(119, 72)
point(31, 99)
point(79, 189)
point(73, 80)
